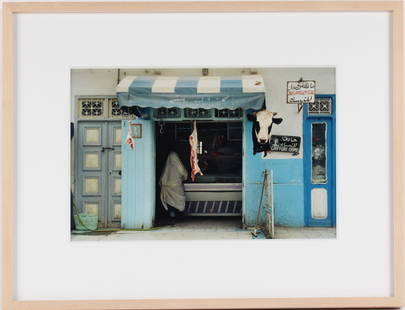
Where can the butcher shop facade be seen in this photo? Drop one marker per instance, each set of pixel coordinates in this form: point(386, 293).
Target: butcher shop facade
point(257, 144)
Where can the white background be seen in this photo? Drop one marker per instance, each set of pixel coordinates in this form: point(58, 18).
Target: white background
point(355, 264)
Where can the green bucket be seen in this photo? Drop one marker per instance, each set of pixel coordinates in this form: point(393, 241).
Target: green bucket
point(85, 221)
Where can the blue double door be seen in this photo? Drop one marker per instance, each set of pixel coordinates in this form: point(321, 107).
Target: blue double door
point(319, 162)
point(98, 171)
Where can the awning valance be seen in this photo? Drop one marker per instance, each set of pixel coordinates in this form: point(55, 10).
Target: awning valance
point(208, 92)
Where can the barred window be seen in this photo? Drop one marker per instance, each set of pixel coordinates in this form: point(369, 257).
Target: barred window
point(102, 108)
point(320, 106)
point(117, 112)
point(91, 107)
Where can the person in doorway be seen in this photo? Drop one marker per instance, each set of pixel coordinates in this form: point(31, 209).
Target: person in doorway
point(171, 186)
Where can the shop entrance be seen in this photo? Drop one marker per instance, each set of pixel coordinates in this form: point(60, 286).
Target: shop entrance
point(216, 196)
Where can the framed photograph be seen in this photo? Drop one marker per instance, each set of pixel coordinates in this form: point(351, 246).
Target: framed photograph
point(205, 155)
point(136, 130)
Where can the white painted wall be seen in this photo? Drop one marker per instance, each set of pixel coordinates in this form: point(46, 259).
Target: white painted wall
point(103, 82)
point(275, 80)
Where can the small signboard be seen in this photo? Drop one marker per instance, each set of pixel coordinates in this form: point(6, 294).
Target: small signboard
point(300, 92)
point(286, 144)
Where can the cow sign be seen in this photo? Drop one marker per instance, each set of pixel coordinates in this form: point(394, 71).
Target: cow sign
point(262, 124)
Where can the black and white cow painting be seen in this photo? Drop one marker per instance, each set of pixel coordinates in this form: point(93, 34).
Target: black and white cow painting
point(263, 121)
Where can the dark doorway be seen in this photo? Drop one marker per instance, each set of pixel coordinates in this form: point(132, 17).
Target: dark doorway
point(220, 159)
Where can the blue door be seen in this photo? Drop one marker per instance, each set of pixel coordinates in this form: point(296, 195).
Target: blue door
point(319, 161)
point(98, 171)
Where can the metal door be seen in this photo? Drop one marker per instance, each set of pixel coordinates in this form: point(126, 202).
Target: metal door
point(319, 162)
point(98, 171)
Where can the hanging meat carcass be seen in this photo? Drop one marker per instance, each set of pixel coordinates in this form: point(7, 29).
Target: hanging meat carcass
point(129, 139)
point(193, 139)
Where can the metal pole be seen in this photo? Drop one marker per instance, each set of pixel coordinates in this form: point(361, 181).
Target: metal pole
point(265, 172)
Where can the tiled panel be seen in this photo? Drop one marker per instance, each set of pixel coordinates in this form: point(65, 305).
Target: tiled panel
point(117, 210)
point(117, 185)
point(117, 160)
point(92, 136)
point(92, 160)
point(91, 185)
point(117, 135)
point(91, 208)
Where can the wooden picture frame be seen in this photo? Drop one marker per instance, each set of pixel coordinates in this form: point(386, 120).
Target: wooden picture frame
point(397, 153)
point(136, 130)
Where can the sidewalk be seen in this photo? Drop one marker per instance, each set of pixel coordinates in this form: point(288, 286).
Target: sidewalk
point(206, 229)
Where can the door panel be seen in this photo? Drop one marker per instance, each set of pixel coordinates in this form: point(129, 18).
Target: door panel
point(114, 175)
point(319, 203)
point(98, 187)
point(91, 166)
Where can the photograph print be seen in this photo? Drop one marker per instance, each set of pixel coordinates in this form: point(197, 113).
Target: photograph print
point(203, 153)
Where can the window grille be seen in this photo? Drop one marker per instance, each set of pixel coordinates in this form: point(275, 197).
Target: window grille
point(320, 106)
point(228, 113)
point(102, 108)
point(196, 113)
point(116, 112)
point(91, 107)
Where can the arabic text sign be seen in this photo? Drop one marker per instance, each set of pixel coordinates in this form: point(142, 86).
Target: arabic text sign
point(300, 92)
point(286, 144)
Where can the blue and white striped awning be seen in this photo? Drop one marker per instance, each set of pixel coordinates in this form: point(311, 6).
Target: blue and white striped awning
point(206, 92)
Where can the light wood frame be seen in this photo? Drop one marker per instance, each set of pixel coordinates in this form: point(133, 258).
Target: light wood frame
point(396, 10)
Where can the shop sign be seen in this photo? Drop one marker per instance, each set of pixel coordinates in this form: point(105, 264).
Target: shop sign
point(300, 92)
point(286, 144)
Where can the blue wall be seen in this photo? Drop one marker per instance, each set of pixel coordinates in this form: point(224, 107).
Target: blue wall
point(138, 178)
point(288, 191)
